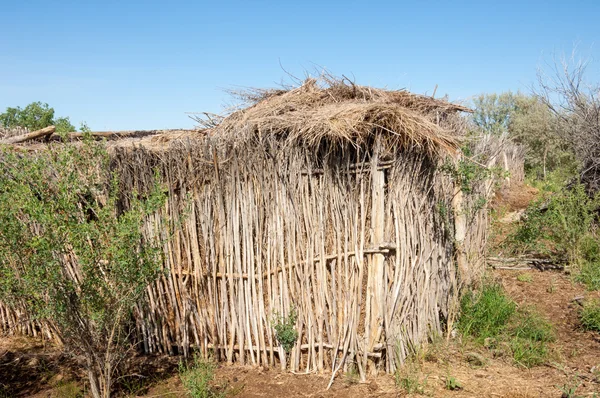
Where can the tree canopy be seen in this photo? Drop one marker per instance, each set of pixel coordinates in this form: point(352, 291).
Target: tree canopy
point(35, 116)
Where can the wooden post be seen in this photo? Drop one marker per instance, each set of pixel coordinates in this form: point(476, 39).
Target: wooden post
point(376, 292)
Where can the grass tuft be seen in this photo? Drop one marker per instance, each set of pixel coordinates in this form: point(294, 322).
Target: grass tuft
point(493, 320)
point(590, 315)
point(485, 314)
point(197, 378)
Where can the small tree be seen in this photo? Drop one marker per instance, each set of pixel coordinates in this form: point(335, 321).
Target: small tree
point(69, 256)
point(35, 116)
point(576, 105)
point(527, 121)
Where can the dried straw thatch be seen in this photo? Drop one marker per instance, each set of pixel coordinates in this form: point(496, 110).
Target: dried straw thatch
point(342, 113)
point(326, 198)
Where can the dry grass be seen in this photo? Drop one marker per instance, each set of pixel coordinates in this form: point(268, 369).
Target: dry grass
point(342, 113)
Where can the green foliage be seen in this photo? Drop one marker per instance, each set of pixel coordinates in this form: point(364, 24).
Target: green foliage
point(527, 121)
point(589, 274)
point(197, 378)
point(467, 172)
point(529, 335)
point(560, 224)
point(452, 383)
point(489, 316)
point(59, 207)
point(590, 315)
point(492, 112)
point(485, 314)
point(285, 329)
point(570, 390)
point(35, 116)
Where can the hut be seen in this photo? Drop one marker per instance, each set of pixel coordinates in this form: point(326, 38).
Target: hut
point(323, 208)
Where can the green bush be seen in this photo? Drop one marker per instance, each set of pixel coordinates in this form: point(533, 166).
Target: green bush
point(35, 116)
point(562, 227)
point(285, 331)
point(590, 315)
point(70, 255)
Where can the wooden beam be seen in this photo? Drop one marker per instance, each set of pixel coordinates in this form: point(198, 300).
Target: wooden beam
point(30, 136)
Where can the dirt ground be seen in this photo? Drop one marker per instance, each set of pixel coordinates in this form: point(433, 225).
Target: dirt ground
point(30, 369)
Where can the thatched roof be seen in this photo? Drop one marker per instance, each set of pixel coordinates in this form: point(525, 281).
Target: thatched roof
point(327, 109)
point(340, 111)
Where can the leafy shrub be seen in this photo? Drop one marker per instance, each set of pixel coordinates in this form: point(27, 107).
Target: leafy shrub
point(590, 315)
point(563, 226)
point(285, 331)
point(59, 212)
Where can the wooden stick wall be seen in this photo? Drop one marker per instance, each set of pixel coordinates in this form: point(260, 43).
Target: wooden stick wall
point(355, 241)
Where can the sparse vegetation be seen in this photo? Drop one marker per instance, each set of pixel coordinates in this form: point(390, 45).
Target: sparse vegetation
point(491, 318)
point(197, 378)
point(410, 378)
point(525, 277)
point(452, 383)
point(590, 315)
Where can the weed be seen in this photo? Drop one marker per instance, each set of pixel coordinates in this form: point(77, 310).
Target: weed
point(409, 378)
point(528, 353)
point(198, 376)
point(452, 383)
point(133, 385)
point(67, 389)
point(589, 274)
point(590, 315)
point(552, 287)
point(352, 376)
point(494, 321)
point(285, 329)
point(530, 325)
point(486, 313)
point(569, 390)
point(525, 277)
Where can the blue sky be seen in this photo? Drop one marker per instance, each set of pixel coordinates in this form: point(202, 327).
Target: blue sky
point(140, 65)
